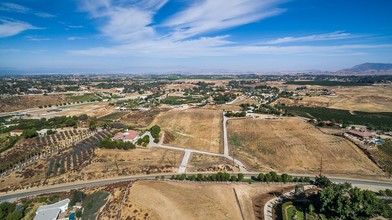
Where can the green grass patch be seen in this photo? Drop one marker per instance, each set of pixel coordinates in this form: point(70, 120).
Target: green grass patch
point(386, 148)
point(327, 83)
point(92, 203)
point(81, 98)
point(376, 120)
point(113, 116)
point(179, 100)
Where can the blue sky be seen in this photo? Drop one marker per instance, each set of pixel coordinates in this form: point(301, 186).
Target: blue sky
point(147, 36)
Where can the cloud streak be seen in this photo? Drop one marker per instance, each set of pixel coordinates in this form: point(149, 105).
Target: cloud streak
point(213, 15)
point(11, 28)
point(337, 35)
point(16, 8)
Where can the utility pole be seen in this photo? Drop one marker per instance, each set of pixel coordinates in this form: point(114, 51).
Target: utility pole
point(321, 166)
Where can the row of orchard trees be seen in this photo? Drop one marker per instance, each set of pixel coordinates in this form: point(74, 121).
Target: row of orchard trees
point(222, 176)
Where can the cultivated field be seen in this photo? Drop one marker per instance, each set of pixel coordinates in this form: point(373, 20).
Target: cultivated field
point(363, 98)
point(198, 129)
point(104, 163)
point(293, 145)
point(170, 200)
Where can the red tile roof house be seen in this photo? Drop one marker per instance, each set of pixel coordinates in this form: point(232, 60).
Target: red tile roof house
point(129, 135)
point(361, 134)
point(16, 132)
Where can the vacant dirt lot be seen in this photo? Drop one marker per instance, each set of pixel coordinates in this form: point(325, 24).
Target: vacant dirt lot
point(293, 145)
point(108, 163)
point(198, 129)
point(170, 200)
point(202, 162)
point(362, 98)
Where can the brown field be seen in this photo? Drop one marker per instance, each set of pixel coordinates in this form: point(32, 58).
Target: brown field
point(14, 103)
point(363, 98)
point(198, 129)
point(202, 162)
point(91, 109)
point(179, 86)
point(109, 163)
point(142, 119)
point(172, 200)
point(292, 145)
point(223, 107)
point(105, 163)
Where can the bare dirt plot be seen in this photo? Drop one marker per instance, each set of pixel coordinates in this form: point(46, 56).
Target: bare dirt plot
point(198, 129)
point(110, 163)
point(142, 119)
point(170, 200)
point(202, 162)
point(293, 145)
point(14, 103)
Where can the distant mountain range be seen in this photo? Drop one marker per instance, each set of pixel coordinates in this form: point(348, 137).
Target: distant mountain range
point(369, 67)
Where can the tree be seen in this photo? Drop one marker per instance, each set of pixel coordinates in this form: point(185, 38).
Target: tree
point(260, 177)
point(15, 215)
point(240, 177)
point(30, 133)
point(322, 182)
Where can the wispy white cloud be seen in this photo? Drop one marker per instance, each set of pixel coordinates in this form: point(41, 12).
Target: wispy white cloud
point(337, 35)
point(124, 20)
point(11, 28)
point(131, 24)
point(213, 15)
point(16, 8)
point(76, 38)
point(36, 38)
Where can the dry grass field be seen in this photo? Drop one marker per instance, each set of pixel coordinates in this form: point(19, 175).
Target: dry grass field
point(198, 129)
point(202, 162)
point(14, 103)
point(104, 164)
point(363, 98)
point(109, 163)
point(142, 119)
point(171, 200)
point(293, 145)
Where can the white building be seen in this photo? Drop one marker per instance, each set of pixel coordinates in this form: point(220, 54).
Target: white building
point(51, 212)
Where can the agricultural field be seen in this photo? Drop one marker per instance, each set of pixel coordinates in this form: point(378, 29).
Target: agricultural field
point(198, 129)
point(14, 103)
point(295, 146)
point(379, 120)
point(383, 155)
point(114, 116)
point(362, 98)
point(142, 119)
point(81, 97)
point(168, 200)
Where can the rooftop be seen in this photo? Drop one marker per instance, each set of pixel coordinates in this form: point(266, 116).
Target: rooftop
point(126, 136)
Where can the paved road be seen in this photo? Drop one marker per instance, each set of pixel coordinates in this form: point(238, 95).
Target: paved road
point(184, 162)
point(225, 139)
point(11, 196)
